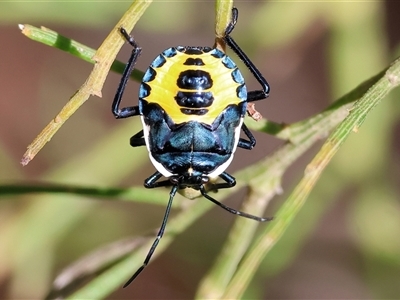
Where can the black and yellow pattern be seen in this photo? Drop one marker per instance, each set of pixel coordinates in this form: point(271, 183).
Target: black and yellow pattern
point(193, 83)
point(192, 103)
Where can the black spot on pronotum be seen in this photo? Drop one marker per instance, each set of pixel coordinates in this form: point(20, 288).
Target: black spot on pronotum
point(194, 62)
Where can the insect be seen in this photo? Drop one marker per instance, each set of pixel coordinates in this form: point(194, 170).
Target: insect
point(192, 102)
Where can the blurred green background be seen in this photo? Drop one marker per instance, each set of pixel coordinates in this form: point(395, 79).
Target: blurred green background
point(345, 242)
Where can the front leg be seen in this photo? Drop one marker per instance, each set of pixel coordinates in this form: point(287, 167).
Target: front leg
point(252, 95)
point(129, 111)
point(152, 181)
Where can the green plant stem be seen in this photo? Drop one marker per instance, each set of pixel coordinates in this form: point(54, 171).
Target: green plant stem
point(54, 39)
point(223, 15)
point(136, 194)
point(104, 57)
point(264, 180)
point(292, 205)
point(266, 184)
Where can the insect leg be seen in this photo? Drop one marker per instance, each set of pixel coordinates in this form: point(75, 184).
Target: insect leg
point(152, 182)
point(138, 140)
point(229, 182)
point(247, 144)
point(232, 210)
point(158, 238)
point(252, 95)
point(129, 111)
